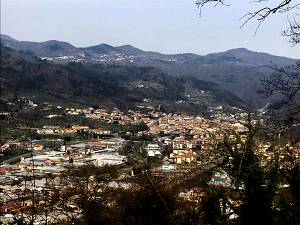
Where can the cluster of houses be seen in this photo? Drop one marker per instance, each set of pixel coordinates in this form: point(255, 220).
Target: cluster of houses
point(72, 130)
point(177, 156)
point(97, 152)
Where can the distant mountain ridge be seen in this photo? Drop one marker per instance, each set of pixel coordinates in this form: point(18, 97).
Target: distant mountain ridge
point(237, 70)
point(55, 49)
point(259, 58)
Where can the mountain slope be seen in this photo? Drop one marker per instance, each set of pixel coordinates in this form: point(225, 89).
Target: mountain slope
point(121, 86)
point(128, 49)
point(6, 37)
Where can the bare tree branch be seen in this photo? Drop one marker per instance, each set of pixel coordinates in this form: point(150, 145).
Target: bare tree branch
point(264, 12)
point(293, 32)
point(285, 84)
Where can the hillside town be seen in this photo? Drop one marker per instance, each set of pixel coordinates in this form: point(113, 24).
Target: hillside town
point(172, 145)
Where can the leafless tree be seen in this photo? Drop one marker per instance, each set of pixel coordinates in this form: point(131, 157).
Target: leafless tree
point(265, 9)
point(284, 83)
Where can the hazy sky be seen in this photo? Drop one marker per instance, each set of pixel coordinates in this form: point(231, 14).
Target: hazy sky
point(168, 26)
